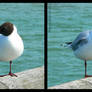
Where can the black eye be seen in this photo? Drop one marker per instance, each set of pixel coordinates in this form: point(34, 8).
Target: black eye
point(3, 29)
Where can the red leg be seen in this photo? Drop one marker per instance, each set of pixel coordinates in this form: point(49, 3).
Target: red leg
point(86, 70)
point(3, 75)
point(10, 73)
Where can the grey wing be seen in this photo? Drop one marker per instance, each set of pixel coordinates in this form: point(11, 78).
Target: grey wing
point(80, 40)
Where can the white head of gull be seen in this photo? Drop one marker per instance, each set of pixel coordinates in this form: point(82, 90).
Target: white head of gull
point(11, 44)
point(82, 47)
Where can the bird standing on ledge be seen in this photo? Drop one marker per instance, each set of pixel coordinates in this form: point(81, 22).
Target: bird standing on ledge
point(82, 47)
point(11, 44)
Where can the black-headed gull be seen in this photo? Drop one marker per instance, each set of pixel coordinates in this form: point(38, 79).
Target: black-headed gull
point(11, 44)
point(82, 47)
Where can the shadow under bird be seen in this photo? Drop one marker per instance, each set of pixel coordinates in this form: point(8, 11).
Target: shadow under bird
point(11, 44)
point(82, 48)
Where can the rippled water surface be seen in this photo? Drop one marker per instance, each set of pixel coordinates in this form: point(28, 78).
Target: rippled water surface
point(66, 21)
point(29, 20)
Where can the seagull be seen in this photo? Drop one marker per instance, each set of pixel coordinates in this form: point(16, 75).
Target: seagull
point(82, 48)
point(11, 44)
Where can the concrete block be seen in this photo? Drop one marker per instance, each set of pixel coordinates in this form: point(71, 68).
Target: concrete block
point(85, 83)
point(28, 79)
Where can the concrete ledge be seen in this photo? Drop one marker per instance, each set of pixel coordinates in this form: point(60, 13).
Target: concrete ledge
point(29, 79)
point(85, 83)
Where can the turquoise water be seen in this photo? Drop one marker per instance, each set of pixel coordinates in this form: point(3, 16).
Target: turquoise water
point(29, 20)
point(65, 22)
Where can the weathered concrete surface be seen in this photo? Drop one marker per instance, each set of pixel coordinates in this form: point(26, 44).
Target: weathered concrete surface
point(85, 83)
point(29, 79)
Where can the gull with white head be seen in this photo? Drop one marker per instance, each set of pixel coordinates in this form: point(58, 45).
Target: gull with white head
point(82, 47)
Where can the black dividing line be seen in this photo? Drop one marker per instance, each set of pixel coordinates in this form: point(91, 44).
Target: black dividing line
point(45, 44)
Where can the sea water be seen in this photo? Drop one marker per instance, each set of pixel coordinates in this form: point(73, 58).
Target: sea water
point(29, 20)
point(65, 22)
